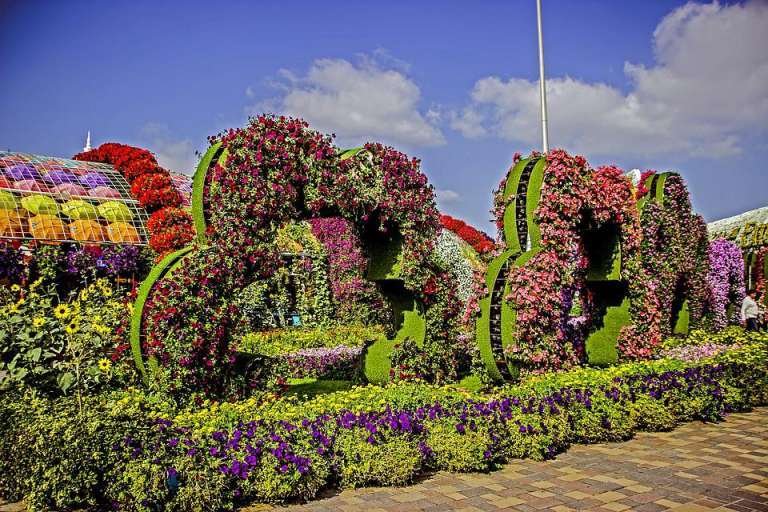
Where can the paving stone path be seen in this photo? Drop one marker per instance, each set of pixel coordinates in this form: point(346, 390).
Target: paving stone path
point(697, 467)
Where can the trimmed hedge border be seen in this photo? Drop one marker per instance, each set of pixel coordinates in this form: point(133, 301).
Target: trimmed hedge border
point(116, 452)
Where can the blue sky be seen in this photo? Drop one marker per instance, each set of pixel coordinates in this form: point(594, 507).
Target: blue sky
point(661, 84)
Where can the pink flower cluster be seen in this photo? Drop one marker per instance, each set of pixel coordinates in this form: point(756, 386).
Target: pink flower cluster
point(674, 255)
point(280, 170)
point(694, 353)
point(574, 198)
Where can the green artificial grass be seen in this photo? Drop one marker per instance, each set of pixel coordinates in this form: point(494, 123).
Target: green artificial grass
point(377, 362)
point(471, 383)
point(386, 260)
point(198, 190)
point(410, 321)
point(349, 153)
point(510, 226)
point(483, 340)
point(660, 184)
point(157, 273)
point(309, 387)
point(603, 248)
point(681, 319)
point(532, 198)
point(613, 308)
point(483, 324)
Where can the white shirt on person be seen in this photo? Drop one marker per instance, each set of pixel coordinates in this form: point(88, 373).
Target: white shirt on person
point(749, 308)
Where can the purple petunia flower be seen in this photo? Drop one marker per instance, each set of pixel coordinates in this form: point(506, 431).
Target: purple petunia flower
point(20, 172)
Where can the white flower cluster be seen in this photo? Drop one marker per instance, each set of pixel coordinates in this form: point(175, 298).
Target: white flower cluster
point(451, 254)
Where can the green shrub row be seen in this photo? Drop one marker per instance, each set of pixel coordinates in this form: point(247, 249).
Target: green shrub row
point(141, 453)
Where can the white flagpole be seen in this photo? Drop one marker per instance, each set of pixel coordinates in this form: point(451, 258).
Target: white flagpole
point(542, 87)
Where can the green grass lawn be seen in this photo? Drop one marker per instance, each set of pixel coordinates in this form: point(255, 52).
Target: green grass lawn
point(311, 387)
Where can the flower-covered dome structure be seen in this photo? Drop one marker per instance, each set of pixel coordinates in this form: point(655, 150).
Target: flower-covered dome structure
point(50, 199)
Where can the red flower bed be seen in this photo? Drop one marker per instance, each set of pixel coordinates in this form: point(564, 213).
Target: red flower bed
point(479, 241)
point(170, 228)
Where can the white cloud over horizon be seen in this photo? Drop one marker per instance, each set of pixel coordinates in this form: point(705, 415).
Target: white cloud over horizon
point(172, 153)
point(357, 101)
point(706, 91)
point(447, 195)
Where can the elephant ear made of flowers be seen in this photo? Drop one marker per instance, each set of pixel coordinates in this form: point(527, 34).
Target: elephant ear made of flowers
point(249, 183)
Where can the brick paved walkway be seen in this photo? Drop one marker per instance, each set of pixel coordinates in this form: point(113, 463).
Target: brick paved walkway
point(696, 467)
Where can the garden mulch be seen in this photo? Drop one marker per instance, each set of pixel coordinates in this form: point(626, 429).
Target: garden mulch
point(697, 467)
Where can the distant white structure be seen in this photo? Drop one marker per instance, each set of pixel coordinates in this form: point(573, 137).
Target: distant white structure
point(748, 229)
point(87, 142)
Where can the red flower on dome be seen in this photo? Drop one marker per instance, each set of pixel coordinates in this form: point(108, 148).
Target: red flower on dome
point(170, 228)
point(479, 241)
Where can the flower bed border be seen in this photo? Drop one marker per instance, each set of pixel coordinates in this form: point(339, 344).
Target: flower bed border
point(278, 459)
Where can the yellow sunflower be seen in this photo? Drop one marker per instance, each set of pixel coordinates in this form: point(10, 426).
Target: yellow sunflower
point(38, 322)
point(61, 311)
point(102, 329)
point(105, 365)
point(15, 288)
point(72, 327)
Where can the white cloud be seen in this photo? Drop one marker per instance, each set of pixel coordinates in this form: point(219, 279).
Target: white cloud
point(447, 195)
point(358, 102)
point(706, 91)
point(172, 153)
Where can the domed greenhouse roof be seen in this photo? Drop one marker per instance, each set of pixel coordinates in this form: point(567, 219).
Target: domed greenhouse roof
point(56, 199)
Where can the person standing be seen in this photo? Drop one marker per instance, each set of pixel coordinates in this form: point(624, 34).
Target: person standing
point(749, 311)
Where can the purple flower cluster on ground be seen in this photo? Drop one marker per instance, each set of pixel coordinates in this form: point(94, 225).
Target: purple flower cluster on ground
point(293, 449)
point(11, 263)
point(693, 353)
point(121, 259)
point(337, 362)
